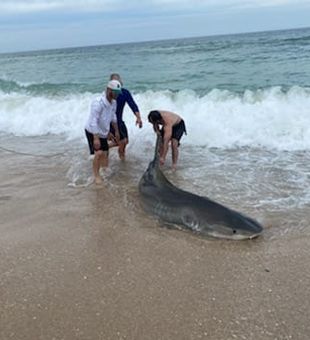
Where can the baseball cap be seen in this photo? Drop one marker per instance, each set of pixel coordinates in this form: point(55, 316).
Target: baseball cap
point(115, 85)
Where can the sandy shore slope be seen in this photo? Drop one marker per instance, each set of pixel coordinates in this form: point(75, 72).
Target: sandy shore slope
point(72, 267)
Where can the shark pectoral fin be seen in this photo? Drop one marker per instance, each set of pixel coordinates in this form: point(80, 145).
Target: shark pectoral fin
point(190, 222)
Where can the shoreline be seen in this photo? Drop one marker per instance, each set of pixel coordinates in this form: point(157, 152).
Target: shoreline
point(75, 267)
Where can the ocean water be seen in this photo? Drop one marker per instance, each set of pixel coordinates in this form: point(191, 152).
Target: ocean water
point(245, 100)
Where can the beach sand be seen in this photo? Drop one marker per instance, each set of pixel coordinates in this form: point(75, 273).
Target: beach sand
point(75, 266)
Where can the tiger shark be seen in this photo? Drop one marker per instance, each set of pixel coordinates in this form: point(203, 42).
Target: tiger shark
point(190, 211)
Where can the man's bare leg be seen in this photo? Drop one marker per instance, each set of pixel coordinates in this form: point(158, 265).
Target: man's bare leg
point(96, 166)
point(121, 148)
point(104, 159)
point(175, 153)
point(161, 150)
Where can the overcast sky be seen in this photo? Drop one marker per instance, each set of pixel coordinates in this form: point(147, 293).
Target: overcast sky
point(44, 24)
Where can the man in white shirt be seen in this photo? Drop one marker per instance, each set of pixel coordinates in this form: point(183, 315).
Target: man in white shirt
point(97, 128)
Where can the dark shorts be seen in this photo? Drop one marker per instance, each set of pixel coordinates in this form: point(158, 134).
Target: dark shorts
point(177, 131)
point(103, 143)
point(123, 132)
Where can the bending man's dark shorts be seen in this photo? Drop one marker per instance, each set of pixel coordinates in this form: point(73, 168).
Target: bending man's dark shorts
point(123, 132)
point(103, 143)
point(177, 131)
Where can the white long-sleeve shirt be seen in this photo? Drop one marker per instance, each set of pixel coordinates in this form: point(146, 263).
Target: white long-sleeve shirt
point(102, 113)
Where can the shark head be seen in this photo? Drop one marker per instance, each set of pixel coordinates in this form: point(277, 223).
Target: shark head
point(237, 232)
point(227, 225)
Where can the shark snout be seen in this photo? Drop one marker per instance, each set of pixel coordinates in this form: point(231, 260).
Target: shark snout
point(247, 228)
point(251, 226)
point(235, 228)
point(224, 232)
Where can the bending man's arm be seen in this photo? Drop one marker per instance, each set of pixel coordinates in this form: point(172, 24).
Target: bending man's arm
point(167, 137)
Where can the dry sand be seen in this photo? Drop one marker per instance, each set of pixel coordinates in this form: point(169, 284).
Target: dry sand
point(73, 266)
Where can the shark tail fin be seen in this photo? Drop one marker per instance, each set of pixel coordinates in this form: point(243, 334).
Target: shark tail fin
point(157, 147)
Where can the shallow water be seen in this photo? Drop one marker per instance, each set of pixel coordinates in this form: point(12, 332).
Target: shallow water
point(270, 186)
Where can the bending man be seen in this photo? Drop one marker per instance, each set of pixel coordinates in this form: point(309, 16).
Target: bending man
point(173, 127)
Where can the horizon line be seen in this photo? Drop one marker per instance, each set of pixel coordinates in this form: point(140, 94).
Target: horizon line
point(153, 40)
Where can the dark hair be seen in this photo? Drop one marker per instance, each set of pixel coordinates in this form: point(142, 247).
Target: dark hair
point(115, 75)
point(154, 116)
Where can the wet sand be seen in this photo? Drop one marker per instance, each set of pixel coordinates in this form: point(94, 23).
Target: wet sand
point(73, 266)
